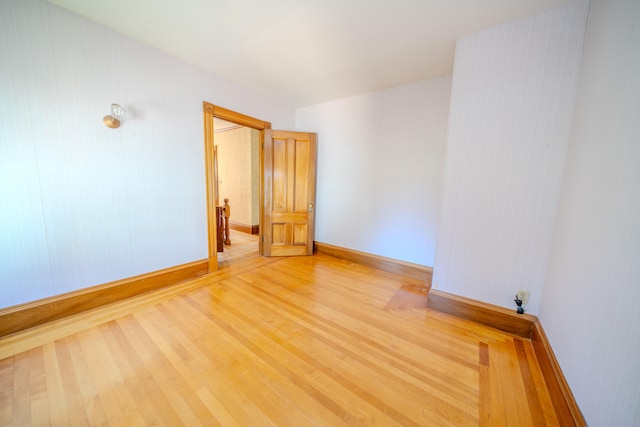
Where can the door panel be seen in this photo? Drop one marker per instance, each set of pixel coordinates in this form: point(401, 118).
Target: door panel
point(289, 189)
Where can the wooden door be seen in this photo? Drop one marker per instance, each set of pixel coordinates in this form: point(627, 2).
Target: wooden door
point(289, 193)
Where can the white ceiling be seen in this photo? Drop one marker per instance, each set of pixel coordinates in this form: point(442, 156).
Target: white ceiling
point(303, 52)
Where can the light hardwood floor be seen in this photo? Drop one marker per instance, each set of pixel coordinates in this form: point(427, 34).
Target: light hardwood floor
point(272, 341)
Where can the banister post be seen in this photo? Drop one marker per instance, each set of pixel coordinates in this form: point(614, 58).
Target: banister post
point(226, 209)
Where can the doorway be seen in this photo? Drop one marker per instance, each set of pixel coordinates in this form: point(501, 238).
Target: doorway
point(237, 188)
point(286, 191)
point(211, 112)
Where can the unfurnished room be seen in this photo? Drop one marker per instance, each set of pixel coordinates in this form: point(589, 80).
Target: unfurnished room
point(337, 212)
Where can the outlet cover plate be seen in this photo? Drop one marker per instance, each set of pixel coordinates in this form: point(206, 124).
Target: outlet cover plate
point(523, 295)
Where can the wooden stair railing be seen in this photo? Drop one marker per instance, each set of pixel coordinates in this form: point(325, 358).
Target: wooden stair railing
point(222, 225)
point(227, 213)
point(219, 229)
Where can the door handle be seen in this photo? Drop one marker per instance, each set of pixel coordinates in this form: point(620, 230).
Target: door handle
point(310, 209)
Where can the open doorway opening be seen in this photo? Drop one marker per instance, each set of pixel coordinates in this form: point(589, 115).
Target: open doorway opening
point(237, 187)
point(211, 112)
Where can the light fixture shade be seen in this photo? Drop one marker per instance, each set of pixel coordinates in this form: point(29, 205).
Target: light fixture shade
point(117, 110)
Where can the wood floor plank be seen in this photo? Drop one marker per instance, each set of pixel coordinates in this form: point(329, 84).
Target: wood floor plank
point(151, 405)
point(377, 355)
point(21, 390)
point(58, 410)
point(179, 366)
point(319, 343)
point(512, 375)
point(304, 369)
point(516, 413)
point(180, 396)
point(337, 306)
point(485, 413)
point(187, 365)
point(273, 341)
point(546, 404)
point(300, 366)
point(389, 344)
point(149, 365)
point(6, 390)
point(89, 394)
point(79, 413)
point(38, 388)
point(119, 407)
point(222, 416)
point(217, 355)
point(534, 407)
point(328, 344)
point(497, 409)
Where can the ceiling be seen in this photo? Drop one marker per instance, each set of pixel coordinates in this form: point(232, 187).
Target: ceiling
point(302, 52)
point(220, 125)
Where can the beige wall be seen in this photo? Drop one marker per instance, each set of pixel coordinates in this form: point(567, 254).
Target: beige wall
point(238, 173)
point(255, 177)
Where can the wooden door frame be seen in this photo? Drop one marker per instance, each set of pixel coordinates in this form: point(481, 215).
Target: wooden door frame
point(210, 111)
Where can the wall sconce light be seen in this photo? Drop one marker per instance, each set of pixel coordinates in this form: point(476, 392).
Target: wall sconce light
point(111, 120)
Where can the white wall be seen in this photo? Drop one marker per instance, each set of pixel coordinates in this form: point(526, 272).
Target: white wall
point(379, 178)
point(81, 204)
point(512, 102)
point(590, 300)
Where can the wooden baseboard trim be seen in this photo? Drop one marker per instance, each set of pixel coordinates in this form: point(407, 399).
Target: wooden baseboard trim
point(523, 325)
point(564, 402)
point(249, 229)
point(25, 316)
point(391, 265)
point(487, 314)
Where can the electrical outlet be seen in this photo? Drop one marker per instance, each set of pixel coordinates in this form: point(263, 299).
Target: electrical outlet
point(523, 295)
point(434, 285)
